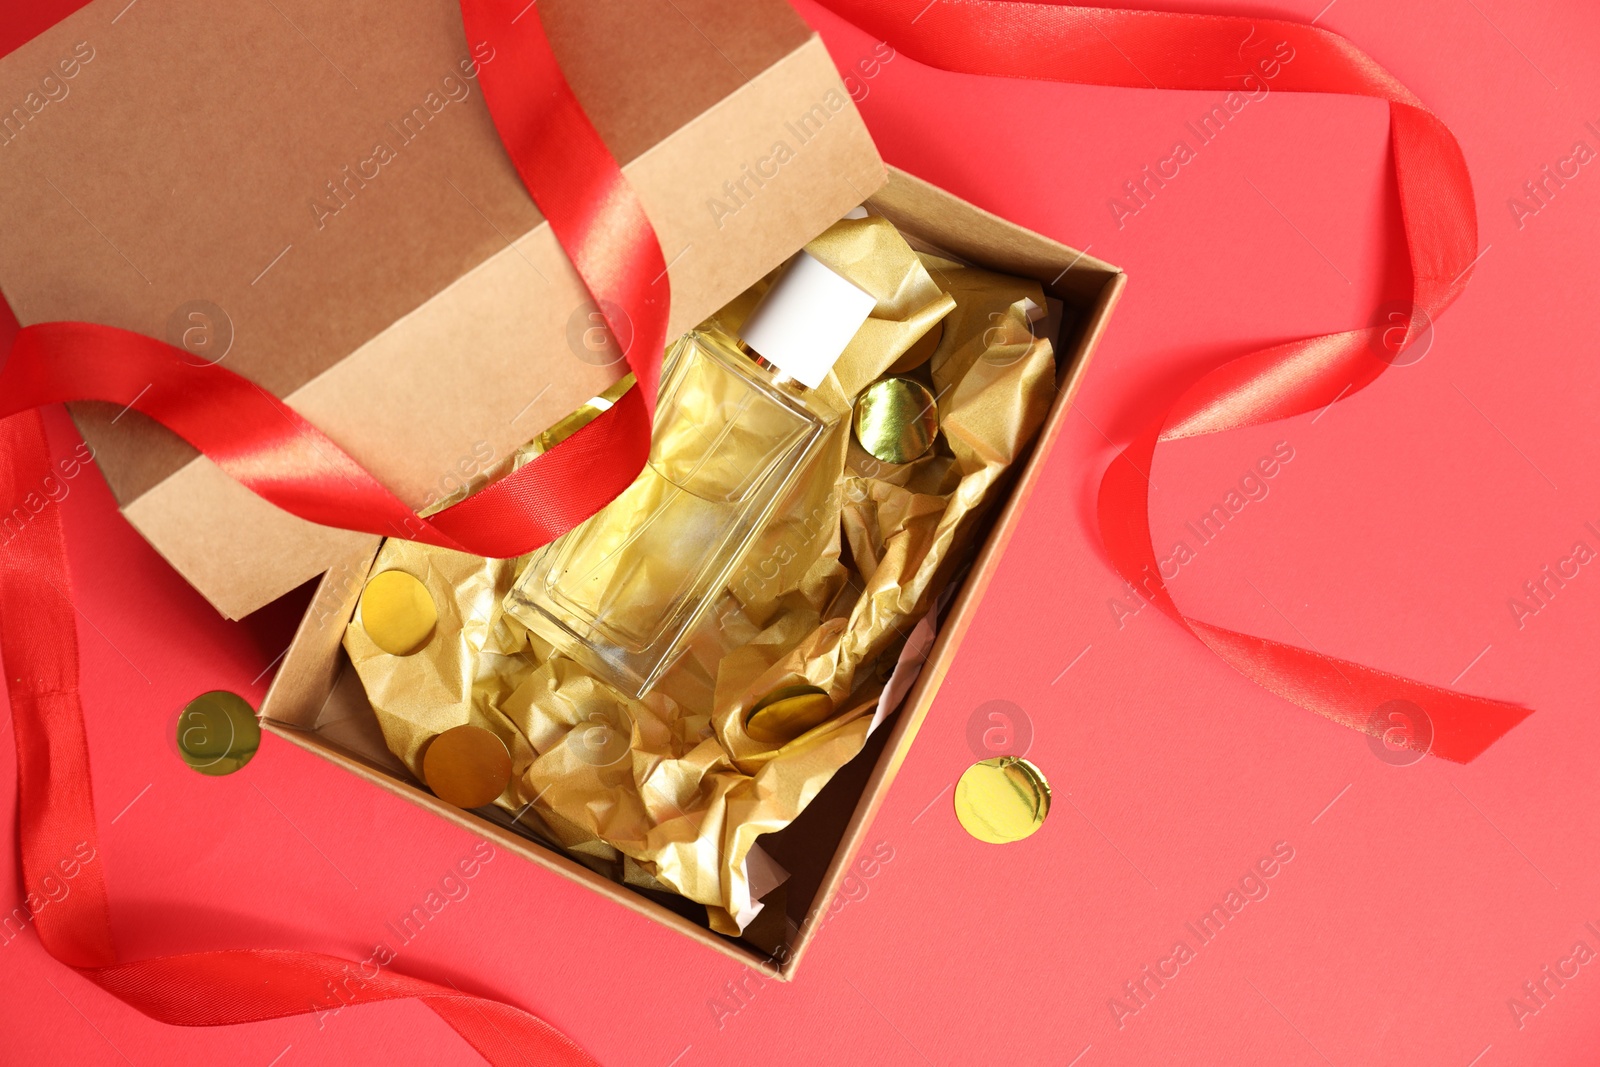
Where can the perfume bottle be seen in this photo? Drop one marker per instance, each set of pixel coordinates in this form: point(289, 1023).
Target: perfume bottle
point(734, 427)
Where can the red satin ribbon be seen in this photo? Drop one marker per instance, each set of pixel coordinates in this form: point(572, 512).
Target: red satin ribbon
point(1145, 49)
point(278, 455)
point(269, 448)
point(39, 642)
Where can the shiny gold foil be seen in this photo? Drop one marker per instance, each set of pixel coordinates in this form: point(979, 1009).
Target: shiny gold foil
point(673, 791)
point(466, 766)
point(921, 352)
point(1002, 800)
point(218, 733)
point(896, 420)
point(397, 613)
point(795, 711)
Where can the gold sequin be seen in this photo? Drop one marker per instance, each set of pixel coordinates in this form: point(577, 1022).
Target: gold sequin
point(467, 766)
point(218, 733)
point(784, 714)
point(1002, 800)
point(896, 419)
point(920, 352)
point(397, 613)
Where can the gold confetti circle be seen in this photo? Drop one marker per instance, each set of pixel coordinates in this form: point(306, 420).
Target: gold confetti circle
point(467, 766)
point(786, 713)
point(397, 613)
point(921, 350)
point(1002, 800)
point(896, 419)
point(218, 733)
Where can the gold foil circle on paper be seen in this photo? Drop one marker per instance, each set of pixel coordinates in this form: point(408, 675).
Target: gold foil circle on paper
point(397, 613)
point(467, 766)
point(1002, 800)
point(921, 352)
point(218, 733)
point(786, 713)
point(897, 420)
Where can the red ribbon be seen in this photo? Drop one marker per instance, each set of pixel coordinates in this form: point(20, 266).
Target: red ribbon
point(39, 641)
point(1147, 49)
point(579, 187)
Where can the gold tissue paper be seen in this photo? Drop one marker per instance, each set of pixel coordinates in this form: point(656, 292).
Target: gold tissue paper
point(781, 684)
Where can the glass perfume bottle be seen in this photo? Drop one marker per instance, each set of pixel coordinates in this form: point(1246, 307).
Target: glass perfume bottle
point(734, 427)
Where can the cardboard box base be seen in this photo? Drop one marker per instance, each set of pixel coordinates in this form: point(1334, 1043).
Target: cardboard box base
point(317, 701)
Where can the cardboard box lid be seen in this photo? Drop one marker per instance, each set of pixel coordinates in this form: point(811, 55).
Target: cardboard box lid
point(316, 192)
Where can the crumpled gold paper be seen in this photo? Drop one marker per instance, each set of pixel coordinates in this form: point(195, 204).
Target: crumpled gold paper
point(670, 792)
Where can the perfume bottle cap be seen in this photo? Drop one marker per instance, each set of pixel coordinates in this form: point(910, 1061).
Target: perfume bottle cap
point(805, 321)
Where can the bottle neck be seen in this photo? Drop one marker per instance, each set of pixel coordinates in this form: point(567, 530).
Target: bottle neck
point(777, 373)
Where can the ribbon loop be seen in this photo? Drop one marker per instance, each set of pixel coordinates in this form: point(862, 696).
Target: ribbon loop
point(1095, 46)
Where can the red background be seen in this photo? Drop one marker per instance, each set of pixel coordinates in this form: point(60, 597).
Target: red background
point(1415, 905)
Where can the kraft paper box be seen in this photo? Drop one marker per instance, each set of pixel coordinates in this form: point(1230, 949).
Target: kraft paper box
point(314, 195)
point(317, 700)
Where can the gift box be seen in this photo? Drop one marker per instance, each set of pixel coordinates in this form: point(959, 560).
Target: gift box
point(318, 701)
point(426, 319)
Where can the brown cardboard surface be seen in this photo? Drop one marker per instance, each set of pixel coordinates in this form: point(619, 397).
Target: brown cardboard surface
point(422, 317)
point(317, 702)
